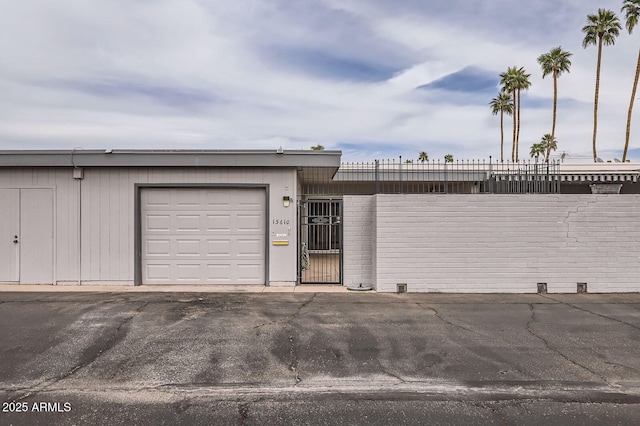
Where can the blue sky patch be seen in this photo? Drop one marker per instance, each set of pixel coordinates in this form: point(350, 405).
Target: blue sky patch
point(469, 79)
point(178, 97)
point(325, 65)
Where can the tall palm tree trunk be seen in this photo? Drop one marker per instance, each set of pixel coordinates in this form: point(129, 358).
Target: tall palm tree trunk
point(555, 108)
point(502, 136)
point(518, 132)
point(513, 145)
point(633, 96)
point(595, 102)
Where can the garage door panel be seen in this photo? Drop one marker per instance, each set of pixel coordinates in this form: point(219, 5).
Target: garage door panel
point(219, 272)
point(158, 247)
point(158, 222)
point(159, 197)
point(218, 222)
point(184, 199)
point(189, 247)
point(157, 272)
point(250, 222)
point(188, 272)
point(253, 247)
point(203, 236)
point(187, 222)
point(217, 197)
point(249, 271)
point(219, 248)
point(250, 205)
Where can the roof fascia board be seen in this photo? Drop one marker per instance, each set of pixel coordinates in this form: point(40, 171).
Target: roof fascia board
point(173, 158)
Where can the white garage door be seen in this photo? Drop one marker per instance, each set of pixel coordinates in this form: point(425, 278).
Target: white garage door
point(203, 235)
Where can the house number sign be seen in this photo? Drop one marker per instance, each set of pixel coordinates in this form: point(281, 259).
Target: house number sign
point(281, 221)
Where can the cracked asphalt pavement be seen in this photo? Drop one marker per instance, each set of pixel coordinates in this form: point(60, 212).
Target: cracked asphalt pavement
point(318, 358)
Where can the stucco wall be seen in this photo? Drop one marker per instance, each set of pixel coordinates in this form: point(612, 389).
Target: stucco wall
point(494, 243)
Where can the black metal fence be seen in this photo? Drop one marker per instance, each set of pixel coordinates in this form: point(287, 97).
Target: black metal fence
point(415, 177)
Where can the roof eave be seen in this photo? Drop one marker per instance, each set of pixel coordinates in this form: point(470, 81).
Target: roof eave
point(170, 158)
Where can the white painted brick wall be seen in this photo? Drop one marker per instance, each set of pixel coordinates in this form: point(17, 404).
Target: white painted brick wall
point(358, 231)
point(493, 243)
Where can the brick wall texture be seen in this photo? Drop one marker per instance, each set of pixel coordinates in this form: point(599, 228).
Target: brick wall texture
point(493, 243)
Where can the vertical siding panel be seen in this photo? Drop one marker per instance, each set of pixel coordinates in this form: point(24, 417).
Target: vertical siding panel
point(105, 223)
point(122, 192)
point(128, 242)
point(68, 232)
point(62, 221)
point(72, 228)
point(85, 230)
point(95, 220)
point(115, 193)
point(92, 219)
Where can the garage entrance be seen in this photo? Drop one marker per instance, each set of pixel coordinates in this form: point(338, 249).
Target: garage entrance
point(203, 235)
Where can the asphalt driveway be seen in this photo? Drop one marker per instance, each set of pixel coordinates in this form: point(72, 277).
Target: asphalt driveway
point(315, 358)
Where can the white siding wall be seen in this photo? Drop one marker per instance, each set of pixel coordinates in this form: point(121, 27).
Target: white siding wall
point(499, 243)
point(108, 213)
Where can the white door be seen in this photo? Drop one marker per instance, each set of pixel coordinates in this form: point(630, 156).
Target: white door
point(36, 236)
point(203, 235)
point(9, 233)
point(26, 236)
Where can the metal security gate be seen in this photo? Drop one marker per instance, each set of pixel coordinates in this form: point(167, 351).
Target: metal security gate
point(320, 242)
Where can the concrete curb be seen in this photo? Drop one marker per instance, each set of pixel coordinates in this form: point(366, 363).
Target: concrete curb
point(174, 288)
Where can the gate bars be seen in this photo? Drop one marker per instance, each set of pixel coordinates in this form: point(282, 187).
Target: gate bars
point(320, 241)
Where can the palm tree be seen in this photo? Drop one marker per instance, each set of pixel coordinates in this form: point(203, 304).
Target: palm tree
point(504, 105)
point(514, 81)
point(508, 86)
point(631, 8)
point(549, 143)
point(448, 158)
point(555, 62)
point(546, 144)
point(318, 148)
point(536, 150)
point(522, 83)
point(601, 29)
point(423, 156)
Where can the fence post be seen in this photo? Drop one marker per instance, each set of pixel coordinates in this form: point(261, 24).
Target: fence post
point(377, 177)
point(400, 173)
point(490, 177)
point(446, 182)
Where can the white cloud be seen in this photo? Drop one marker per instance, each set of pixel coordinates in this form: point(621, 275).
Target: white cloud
point(121, 73)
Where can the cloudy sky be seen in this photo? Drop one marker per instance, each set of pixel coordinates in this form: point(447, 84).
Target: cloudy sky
point(373, 78)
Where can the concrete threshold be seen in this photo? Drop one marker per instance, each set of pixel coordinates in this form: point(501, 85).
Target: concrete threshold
point(174, 288)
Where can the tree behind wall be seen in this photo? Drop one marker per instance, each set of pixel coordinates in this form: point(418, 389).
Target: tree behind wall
point(631, 9)
point(555, 63)
point(504, 105)
point(602, 29)
point(514, 80)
